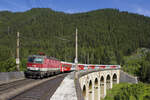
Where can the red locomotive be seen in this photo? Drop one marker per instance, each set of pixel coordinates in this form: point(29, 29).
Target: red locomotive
point(42, 66)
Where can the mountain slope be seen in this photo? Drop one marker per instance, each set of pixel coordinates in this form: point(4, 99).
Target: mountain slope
point(104, 35)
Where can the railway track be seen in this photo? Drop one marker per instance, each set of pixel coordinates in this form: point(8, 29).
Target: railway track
point(15, 84)
point(42, 91)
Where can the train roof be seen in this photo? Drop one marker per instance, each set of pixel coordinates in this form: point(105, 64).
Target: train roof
point(44, 56)
point(51, 58)
point(37, 56)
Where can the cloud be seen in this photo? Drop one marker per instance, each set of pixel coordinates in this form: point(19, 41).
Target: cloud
point(143, 11)
point(71, 11)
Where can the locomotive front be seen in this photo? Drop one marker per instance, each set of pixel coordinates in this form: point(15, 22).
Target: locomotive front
point(34, 66)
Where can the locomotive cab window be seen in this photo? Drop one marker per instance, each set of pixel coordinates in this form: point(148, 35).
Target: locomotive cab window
point(35, 60)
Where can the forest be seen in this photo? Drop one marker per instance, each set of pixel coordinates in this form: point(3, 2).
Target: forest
point(105, 36)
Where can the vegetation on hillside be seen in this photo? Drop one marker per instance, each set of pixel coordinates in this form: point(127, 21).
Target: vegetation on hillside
point(129, 92)
point(138, 64)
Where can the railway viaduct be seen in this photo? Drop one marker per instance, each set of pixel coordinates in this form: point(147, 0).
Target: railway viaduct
point(95, 83)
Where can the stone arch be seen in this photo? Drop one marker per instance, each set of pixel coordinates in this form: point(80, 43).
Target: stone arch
point(105, 79)
point(90, 90)
point(108, 82)
point(114, 78)
point(102, 86)
point(96, 81)
point(96, 89)
point(84, 91)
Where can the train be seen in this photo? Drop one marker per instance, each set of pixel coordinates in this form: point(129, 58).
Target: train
point(40, 66)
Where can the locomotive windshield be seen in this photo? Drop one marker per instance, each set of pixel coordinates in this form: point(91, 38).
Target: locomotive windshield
point(35, 59)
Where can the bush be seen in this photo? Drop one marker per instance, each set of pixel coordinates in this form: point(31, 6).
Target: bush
point(129, 92)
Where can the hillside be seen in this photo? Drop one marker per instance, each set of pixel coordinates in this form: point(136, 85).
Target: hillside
point(105, 36)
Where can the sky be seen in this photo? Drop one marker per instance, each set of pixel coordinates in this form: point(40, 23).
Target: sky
point(74, 6)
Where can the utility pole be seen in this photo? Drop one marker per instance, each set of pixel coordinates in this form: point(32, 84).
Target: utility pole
point(76, 49)
point(76, 53)
point(17, 52)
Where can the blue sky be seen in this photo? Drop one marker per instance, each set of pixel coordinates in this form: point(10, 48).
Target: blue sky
point(74, 6)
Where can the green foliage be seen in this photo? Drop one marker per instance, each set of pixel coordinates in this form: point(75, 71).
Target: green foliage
point(105, 36)
point(138, 64)
point(148, 57)
point(8, 65)
point(23, 64)
point(132, 69)
point(145, 71)
point(129, 92)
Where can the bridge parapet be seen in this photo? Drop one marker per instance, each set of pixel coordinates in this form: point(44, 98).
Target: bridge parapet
point(6, 77)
